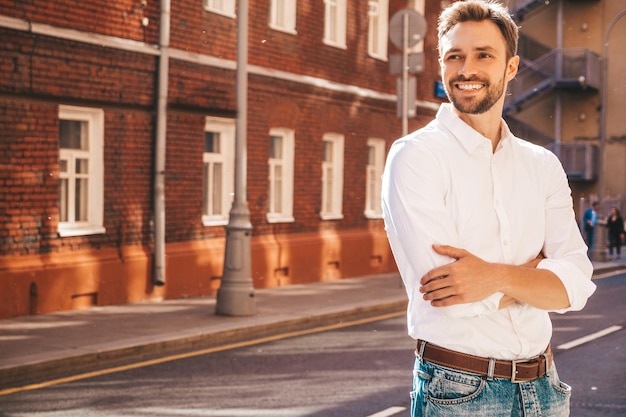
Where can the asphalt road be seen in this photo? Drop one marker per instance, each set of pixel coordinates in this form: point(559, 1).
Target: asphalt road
point(356, 371)
point(596, 367)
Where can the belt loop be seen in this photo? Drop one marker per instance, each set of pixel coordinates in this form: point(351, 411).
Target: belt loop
point(422, 346)
point(492, 366)
point(546, 355)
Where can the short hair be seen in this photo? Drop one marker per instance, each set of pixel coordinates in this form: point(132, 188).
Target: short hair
point(477, 11)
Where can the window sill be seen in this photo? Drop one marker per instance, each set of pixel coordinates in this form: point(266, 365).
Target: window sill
point(277, 219)
point(335, 44)
point(378, 57)
point(207, 222)
point(283, 29)
point(373, 215)
point(68, 231)
point(331, 216)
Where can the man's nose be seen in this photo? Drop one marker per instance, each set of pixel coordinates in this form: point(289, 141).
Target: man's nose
point(468, 68)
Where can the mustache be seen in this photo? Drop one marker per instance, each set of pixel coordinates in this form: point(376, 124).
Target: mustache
point(462, 78)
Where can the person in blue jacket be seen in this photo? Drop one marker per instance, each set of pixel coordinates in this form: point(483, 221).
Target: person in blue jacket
point(590, 219)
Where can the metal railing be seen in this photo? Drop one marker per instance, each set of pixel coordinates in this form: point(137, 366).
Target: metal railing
point(580, 160)
point(527, 132)
point(530, 49)
point(519, 8)
point(567, 68)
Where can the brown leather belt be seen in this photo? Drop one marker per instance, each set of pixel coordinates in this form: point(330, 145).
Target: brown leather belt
point(517, 370)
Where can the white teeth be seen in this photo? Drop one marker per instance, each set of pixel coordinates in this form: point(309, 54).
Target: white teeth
point(469, 86)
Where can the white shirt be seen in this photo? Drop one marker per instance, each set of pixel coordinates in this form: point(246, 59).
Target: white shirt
point(443, 184)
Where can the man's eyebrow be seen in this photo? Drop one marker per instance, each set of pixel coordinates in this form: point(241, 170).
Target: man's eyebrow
point(452, 50)
point(477, 48)
point(485, 49)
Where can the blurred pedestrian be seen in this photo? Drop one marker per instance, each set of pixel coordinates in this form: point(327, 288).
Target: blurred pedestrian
point(482, 228)
point(590, 220)
point(615, 225)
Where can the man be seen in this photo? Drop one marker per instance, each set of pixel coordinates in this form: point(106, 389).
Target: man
point(590, 219)
point(482, 228)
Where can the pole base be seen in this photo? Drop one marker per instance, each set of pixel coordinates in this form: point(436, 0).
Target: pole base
point(235, 301)
point(599, 253)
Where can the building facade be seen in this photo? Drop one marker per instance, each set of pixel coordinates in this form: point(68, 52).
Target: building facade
point(118, 129)
point(570, 52)
point(118, 121)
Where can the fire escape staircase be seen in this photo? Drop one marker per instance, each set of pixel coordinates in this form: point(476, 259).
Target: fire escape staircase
point(542, 71)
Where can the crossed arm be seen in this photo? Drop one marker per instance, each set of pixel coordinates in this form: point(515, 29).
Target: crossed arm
point(470, 279)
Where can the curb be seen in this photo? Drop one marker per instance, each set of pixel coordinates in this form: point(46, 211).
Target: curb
point(608, 269)
point(35, 372)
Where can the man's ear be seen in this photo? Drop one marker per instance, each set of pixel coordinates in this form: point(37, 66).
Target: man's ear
point(511, 68)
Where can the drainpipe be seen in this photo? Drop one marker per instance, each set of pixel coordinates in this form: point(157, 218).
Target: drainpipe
point(158, 277)
point(558, 107)
point(599, 252)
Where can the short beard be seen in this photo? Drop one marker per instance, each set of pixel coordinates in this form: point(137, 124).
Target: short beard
point(494, 92)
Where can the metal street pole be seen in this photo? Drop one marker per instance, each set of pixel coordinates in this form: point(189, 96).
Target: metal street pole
point(235, 297)
point(599, 253)
point(405, 74)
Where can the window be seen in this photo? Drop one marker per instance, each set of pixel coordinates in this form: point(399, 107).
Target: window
point(223, 7)
point(280, 193)
point(283, 15)
point(81, 171)
point(332, 176)
point(335, 23)
point(218, 176)
point(374, 172)
point(378, 28)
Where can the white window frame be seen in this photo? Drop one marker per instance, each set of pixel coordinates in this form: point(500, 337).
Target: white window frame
point(222, 7)
point(283, 16)
point(373, 175)
point(94, 118)
point(332, 178)
point(335, 22)
point(378, 28)
point(285, 164)
point(226, 128)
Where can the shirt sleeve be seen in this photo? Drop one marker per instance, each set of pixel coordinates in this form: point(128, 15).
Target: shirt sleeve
point(414, 193)
point(564, 247)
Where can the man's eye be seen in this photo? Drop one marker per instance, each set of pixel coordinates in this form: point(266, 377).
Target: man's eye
point(485, 55)
point(453, 57)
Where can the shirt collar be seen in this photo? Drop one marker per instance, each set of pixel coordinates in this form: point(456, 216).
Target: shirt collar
point(469, 138)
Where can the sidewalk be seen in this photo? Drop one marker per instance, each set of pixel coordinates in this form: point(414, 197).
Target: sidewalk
point(33, 348)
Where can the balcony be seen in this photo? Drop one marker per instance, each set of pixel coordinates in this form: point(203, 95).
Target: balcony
point(580, 160)
point(520, 8)
point(571, 68)
point(529, 133)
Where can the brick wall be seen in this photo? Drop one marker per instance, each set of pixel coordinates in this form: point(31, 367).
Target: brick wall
point(28, 178)
point(40, 72)
point(121, 18)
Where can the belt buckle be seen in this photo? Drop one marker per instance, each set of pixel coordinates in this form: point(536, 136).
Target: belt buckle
point(514, 370)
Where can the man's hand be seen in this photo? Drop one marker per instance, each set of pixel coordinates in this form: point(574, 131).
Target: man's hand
point(468, 279)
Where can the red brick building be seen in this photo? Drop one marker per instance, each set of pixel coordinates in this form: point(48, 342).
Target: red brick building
point(80, 120)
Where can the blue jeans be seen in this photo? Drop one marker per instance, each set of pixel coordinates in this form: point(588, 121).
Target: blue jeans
point(442, 392)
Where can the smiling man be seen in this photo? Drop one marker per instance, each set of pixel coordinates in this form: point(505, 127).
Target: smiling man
point(482, 227)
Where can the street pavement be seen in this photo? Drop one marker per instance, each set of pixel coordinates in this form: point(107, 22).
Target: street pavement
point(42, 347)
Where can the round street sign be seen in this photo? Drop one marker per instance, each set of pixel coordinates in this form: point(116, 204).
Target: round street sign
point(417, 28)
